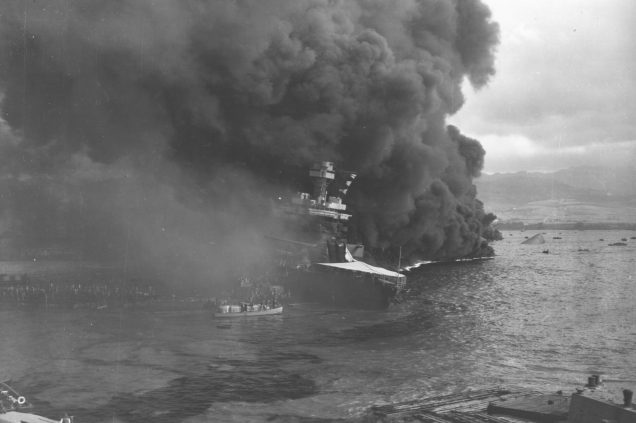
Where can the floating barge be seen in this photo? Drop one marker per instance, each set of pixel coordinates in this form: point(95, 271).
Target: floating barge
point(592, 404)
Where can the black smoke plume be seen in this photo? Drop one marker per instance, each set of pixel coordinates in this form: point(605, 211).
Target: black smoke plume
point(188, 115)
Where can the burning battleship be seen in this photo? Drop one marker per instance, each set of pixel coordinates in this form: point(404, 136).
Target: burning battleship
point(172, 154)
point(321, 264)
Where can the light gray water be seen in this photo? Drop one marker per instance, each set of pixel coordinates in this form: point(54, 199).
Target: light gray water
point(525, 318)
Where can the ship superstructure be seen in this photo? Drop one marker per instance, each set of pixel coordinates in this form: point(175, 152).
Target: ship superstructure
point(321, 204)
point(319, 262)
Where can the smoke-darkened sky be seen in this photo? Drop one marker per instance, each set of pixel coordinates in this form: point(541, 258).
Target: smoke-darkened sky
point(565, 91)
point(206, 108)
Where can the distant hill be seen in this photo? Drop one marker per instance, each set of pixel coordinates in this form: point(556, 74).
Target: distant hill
point(619, 181)
point(523, 187)
point(579, 194)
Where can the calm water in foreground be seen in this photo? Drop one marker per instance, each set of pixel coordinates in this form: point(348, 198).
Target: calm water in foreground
point(525, 318)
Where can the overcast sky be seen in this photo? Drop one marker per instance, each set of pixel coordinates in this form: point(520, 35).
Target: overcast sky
point(565, 90)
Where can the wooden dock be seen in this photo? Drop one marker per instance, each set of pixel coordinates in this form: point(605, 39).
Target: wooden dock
point(489, 405)
point(548, 408)
point(595, 402)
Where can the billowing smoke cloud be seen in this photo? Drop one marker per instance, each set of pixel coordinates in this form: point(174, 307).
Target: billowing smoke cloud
point(216, 104)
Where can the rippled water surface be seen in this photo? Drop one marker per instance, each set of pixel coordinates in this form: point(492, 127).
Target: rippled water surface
point(525, 318)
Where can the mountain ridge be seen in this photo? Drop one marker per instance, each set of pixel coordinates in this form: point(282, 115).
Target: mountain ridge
point(577, 194)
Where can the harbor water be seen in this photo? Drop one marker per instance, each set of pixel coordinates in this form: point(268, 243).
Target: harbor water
point(540, 316)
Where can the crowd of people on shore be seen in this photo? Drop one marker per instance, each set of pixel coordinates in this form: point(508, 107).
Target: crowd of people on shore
point(93, 294)
point(107, 291)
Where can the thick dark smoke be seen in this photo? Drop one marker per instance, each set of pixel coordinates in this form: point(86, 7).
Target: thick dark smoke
point(200, 109)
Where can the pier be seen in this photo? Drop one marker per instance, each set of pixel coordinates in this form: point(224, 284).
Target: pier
point(464, 407)
point(594, 403)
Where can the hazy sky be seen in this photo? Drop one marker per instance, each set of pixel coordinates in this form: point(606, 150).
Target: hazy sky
point(565, 89)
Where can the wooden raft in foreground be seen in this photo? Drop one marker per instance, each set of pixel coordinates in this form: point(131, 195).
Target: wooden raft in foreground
point(464, 407)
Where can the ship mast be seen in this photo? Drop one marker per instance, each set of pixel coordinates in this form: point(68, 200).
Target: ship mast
point(322, 174)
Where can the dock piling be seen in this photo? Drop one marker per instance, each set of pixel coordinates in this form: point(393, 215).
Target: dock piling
point(627, 397)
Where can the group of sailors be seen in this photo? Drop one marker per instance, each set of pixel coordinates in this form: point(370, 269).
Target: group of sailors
point(252, 296)
point(74, 294)
point(253, 305)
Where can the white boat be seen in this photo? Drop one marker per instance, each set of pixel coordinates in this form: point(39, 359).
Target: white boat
point(14, 408)
point(21, 417)
point(245, 310)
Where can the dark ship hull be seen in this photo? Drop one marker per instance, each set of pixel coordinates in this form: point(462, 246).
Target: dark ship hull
point(339, 288)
